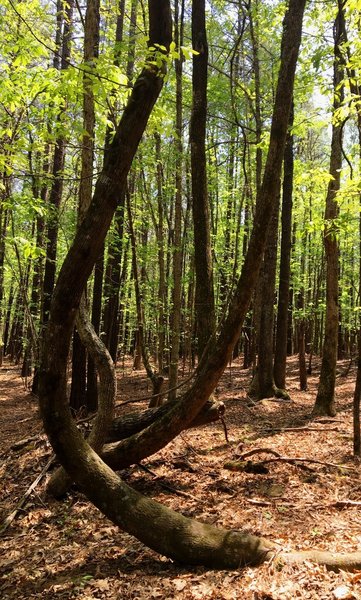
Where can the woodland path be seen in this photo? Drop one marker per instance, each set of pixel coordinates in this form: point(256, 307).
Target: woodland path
point(65, 550)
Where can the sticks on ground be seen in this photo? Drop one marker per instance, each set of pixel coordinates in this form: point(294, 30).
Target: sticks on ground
point(9, 519)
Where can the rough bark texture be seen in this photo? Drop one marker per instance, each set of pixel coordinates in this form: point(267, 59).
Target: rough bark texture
point(169, 533)
point(325, 401)
point(204, 300)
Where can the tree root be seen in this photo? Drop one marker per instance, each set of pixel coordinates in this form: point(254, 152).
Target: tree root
point(333, 561)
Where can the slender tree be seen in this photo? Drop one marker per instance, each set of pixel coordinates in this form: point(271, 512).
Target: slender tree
point(279, 368)
point(204, 295)
point(325, 400)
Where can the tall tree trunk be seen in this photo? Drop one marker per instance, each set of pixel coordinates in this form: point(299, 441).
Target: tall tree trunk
point(204, 299)
point(177, 238)
point(279, 368)
point(114, 270)
point(57, 173)
point(263, 385)
point(161, 263)
point(325, 400)
point(3, 227)
point(91, 53)
point(355, 90)
point(155, 378)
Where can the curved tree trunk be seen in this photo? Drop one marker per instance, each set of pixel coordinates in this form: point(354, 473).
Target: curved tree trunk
point(60, 480)
point(169, 533)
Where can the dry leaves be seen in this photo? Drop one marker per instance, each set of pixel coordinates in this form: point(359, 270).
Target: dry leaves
point(67, 550)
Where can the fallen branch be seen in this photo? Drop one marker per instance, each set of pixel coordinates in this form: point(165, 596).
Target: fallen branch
point(131, 423)
point(345, 503)
point(296, 429)
point(21, 443)
point(333, 561)
point(258, 451)
point(9, 519)
point(259, 502)
point(310, 460)
point(238, 465)
point(163, 393)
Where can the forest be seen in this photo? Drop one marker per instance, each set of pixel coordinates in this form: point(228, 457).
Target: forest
point(180, 284)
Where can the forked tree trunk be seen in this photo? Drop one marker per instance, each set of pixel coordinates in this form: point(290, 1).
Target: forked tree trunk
point(169, 533)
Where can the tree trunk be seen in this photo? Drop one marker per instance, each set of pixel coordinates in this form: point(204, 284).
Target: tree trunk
point(325, 400)
point(57, 173)
point(204, 298)
point(177, 239)
point(78, 396)
point(279, 368)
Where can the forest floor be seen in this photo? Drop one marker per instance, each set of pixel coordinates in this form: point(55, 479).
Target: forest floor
point(64, 550)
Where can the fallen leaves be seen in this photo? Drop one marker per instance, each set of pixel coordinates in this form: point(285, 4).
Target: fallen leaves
point(68, 550)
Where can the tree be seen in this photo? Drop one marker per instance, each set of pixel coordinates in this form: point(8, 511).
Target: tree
point(204, 295)
point(279, 368)
point(91, 51)
point(325, 403)
point(172, 534)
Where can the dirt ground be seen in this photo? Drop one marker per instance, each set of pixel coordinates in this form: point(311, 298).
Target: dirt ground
point(64, 550)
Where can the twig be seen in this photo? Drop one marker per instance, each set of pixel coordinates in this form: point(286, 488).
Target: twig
point(258, 451)
point(24, 442)
point(327, 420)
point(9, 519)
point(310, 460)
point(236, 465)
point(304, 428)
point(345, 503)
point(224, 426)
point(259, 502)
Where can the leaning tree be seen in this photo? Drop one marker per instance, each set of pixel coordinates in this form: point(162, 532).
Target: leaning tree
point(169, 533)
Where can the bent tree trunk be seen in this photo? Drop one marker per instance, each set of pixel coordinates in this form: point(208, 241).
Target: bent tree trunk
point(60, 481)
point(169, 533)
